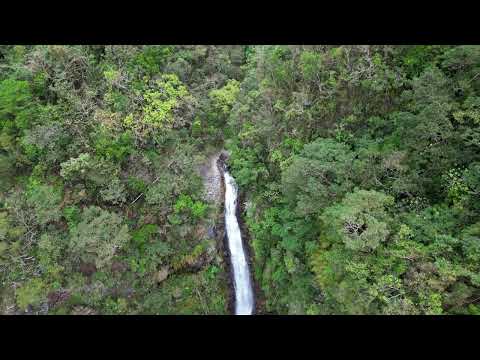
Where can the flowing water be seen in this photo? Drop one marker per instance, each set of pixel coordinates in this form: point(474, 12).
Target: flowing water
point(241, 272)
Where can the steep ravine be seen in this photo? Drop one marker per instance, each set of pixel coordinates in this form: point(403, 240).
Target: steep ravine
point(244, 299)
point(222, 164)
point(213, 175)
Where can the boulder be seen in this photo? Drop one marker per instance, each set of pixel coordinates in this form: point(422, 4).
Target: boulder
point(161, 275)
point(83, 310)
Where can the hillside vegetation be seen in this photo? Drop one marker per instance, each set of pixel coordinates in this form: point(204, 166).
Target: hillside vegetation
point(359, 166)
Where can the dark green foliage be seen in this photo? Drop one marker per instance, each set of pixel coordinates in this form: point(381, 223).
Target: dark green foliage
point(112, 147)
point(185, 204)
point(359, 221)
point(142, 235)
point(98, 237)
point(15, 105)
point(318, 176)
point(45, 201)
point(401, 123)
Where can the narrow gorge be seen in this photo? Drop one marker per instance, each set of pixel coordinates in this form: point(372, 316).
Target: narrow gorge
point(244, 302)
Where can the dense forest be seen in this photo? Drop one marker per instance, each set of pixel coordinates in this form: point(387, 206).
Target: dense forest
point(358, 166)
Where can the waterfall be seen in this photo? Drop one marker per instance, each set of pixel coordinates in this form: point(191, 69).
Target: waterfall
point(241, 272)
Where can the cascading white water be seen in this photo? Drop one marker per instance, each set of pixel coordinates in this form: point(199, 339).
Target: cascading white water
point(241, 273)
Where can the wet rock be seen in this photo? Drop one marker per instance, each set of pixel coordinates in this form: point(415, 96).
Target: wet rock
point(44, 307)
point(83, 310)
point(212, 232)
point(128, 292)
point(177, 293)
point(55, 298)
point(161, 275)
point(118, 266)
point(212, 179)
point(87, 269)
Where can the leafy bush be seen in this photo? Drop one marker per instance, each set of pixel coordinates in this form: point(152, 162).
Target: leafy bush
point(185, 204)
point(98, 237)
point(45, 200)
point(31, 293)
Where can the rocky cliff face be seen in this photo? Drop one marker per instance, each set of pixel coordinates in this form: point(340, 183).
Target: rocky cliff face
point(212, 178)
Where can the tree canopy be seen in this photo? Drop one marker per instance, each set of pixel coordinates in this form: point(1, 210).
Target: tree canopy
point(358, 169)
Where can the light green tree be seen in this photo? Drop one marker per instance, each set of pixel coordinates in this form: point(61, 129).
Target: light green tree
point(360, 221)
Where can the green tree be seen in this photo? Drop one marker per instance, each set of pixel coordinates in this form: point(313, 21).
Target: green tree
point(360, 221)
point(98, 237)
point(318, 176)
point(32, 293)
point(45, 200)
point(224, 98)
